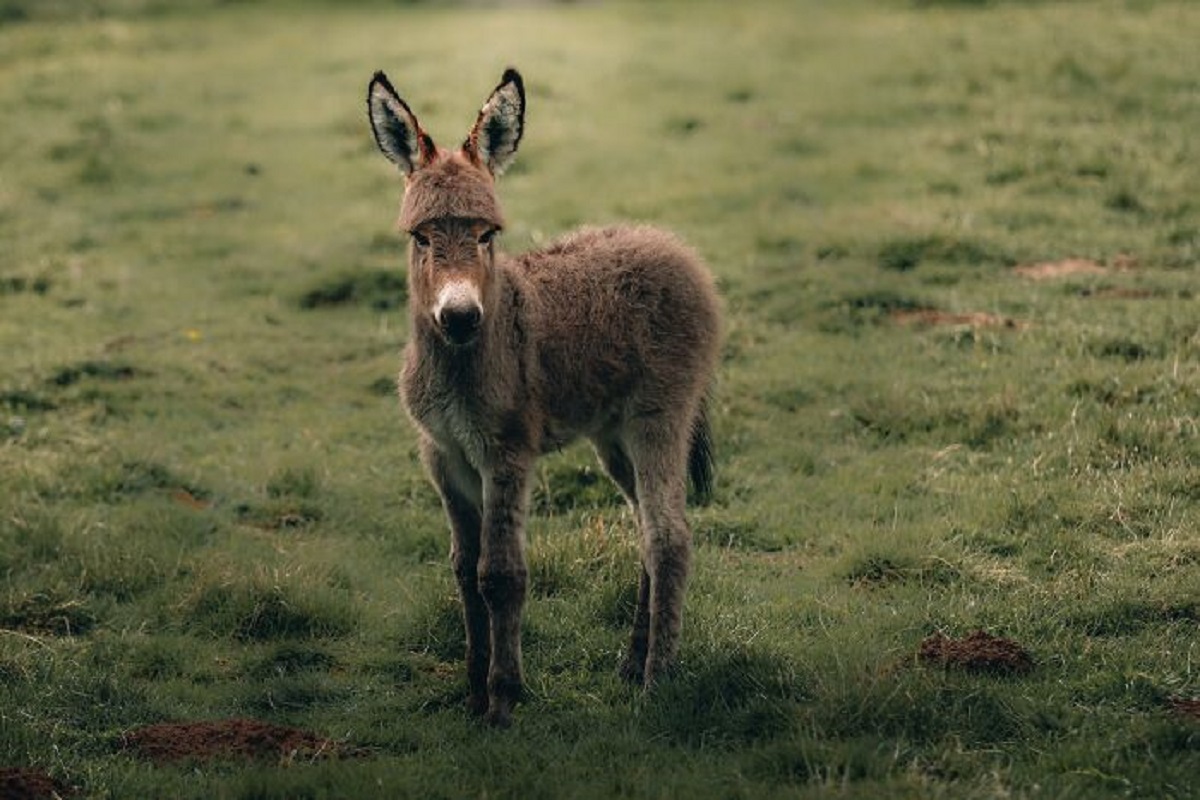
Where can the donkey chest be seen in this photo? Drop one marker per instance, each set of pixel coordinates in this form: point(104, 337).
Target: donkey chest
point(461, 418)
point(456, 424)
point(450, 418)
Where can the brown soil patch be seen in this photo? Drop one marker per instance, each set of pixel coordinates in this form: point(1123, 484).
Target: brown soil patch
point(1185, 707)
point(1051, 270)
point(978, 652)
point(1118, 293)
point(235, 739)
point(22, 783)
point(185, 498)
point(975, 319)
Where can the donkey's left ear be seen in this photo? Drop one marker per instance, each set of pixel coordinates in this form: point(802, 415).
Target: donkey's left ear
point(493, 141)
point(396, 129)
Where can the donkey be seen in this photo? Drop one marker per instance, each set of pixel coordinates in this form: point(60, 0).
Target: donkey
point(610, 334)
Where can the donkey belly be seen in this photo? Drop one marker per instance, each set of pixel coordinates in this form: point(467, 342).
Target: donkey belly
point(562, 429)
point(629, 324)
point(587, 378)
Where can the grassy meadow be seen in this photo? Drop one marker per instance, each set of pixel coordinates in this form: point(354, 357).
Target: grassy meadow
point(957, 244)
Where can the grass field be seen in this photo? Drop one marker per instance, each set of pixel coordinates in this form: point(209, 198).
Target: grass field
point(210, 501)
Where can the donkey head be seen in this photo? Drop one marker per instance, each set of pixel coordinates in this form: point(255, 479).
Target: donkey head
point(450, 209)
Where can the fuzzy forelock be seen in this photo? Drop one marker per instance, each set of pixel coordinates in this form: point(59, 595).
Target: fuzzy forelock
point(450, 187)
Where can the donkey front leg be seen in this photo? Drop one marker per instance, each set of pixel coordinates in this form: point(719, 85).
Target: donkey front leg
point(502, 583)
point(459, 486)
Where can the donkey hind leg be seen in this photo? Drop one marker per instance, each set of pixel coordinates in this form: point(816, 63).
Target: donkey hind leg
point(633, 666)
point(659, 450)
point(503, 577)
point(618, 466)
point(459, 485)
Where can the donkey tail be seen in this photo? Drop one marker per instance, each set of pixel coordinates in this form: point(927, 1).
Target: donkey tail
point(700, 457)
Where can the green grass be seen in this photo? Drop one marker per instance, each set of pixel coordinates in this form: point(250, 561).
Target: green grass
point(211, 504)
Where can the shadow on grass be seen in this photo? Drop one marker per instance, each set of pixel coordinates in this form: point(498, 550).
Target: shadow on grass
point(1128, 616)
point(93, 370)
point(435, 628)
point(730, 699)
point(381, 290)
point(904, 254)
point(291, 659)
point(254, 611)
point(875, 568)
point(47, 614)
point(894, 420)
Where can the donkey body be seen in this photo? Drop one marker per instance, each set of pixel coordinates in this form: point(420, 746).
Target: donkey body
point(610, 334)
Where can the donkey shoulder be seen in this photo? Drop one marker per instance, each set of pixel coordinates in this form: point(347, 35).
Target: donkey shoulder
point(615, 263)
point(622, 309)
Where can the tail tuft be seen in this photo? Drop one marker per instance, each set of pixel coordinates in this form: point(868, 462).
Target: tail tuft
point(700, 457)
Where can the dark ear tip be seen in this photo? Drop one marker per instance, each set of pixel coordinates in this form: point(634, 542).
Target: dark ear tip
point(512, 76)
point(380, 78)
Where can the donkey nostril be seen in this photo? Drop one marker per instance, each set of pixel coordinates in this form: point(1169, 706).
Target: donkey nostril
point(460, 324)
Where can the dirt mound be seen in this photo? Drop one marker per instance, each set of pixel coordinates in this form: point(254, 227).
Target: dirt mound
point(1184, 707)
point(1118, 293)
point(1067, 267)
point(1051, 270)
point(234, 739)
point(978, 652)
point(22, 783)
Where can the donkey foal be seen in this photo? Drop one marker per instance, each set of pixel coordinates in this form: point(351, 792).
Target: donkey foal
point(611, 334)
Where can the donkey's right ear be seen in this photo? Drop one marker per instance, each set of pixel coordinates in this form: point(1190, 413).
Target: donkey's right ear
point(497, 133)
point(396, 129)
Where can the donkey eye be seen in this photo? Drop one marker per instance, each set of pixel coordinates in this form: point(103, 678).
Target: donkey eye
point(421, 239)
point(486, 237)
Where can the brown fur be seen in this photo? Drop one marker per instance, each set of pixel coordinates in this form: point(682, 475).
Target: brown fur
point(457, 189)
point(610, 334)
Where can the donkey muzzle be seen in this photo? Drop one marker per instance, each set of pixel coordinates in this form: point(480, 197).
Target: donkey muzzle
point(458, 312)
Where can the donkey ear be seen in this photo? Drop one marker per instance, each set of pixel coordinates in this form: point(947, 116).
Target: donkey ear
point(396, 129)
point(497, 132)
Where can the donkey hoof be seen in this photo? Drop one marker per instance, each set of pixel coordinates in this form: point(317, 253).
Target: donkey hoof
point(633, 671)
point(657, 673)
point(477, 705)
point(499, 715)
